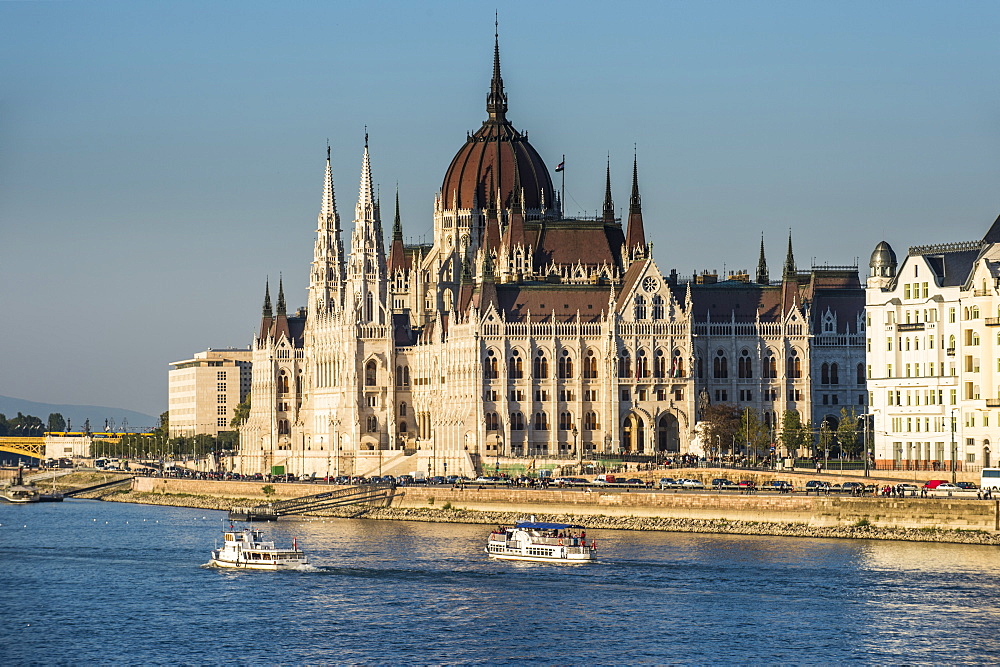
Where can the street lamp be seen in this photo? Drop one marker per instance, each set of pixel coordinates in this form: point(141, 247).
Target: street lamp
point(579, 450)
point(954, 451)
point(499, 446)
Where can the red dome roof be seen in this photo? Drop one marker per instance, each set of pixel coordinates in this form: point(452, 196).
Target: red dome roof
point(493, 158)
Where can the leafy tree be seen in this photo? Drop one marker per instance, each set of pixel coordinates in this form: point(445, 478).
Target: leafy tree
point(794, 434)
point(3, 424)
point(57, 422)
point(753, 432)
point(241, 413)
point(721, 423)
point(25, 425)
point(825, 437)
point(848, 432)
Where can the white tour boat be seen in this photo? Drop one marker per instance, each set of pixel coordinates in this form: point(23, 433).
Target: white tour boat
point(246, 549)
point(541, 542)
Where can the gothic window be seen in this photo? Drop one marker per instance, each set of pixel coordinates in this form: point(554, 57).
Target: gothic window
point(283, 427)
point(720, 365)
point(370, 373)
point(624, 365)
point(641, 364)
point(490, 367)
point(298, 383)
point(861, 374)
point(794, 370)
point(402, 427)
point(677, 365)
point(590, 365)
point(369, 307)
point(657, 307)
point(402, 409)
point(824, 374)
point(701, 368)
point(399, 376)
point(565, 365)
point(541, 421)
point(565, 421)
point(660, 364)
point(492, 421)
point(744, 365)
point(372, 424)
point(516, 421)
point(640, 308)
point(590, 422)
point(283, 382)
point(834, 374)
point(516, 366)
point(540, 367)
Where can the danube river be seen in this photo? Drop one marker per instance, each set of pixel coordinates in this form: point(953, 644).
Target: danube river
point(92, 582)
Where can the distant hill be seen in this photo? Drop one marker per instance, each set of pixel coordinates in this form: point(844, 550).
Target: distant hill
point(79, 414)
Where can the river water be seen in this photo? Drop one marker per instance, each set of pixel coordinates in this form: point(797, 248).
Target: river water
point(92, 582)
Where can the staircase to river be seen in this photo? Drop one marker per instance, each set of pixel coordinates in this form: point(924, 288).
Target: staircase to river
point(366, 494)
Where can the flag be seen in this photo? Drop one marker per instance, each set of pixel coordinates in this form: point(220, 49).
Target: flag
point(561, 165)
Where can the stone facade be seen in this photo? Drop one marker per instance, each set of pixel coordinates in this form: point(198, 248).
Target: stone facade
point(204, 391)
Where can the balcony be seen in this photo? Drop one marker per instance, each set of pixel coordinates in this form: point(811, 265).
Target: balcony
point(993, 402)
point(950, 352)
point(992, 321)
point(919, 326)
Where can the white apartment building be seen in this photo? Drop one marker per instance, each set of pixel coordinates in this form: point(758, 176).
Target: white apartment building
point(204, 391)
point(933, 346)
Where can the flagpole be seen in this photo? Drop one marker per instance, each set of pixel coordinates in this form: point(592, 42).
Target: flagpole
point(562, 195)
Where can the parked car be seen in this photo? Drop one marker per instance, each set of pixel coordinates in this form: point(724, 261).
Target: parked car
point(779, 485)
point(947, 486)
point(852, 487)
point(817, 486)
point(724, 484)
point(634, 481)
point(966, 485)
point(932, 484)
point(667, 483)
point(692, 484)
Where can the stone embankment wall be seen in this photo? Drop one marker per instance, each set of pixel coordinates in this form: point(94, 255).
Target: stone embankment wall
point(822, 512)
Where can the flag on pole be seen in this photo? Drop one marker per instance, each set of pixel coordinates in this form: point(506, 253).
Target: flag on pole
point(561, 165)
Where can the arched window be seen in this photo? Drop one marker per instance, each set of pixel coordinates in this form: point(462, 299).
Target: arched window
point(372, 424)
point(700, 367)
point(720, 365)
point(657, 307)
point(974, 313)
point(641, 364)
point(516, 366)
point(590, 365)
point(824, 374)
point(369, 308)
point(677, 365)
point(402, 427)
point(590, 422)
point(951, 343)
point(624, 365)
point(541, 421)
point(861, 374)
point(406, 376)
point(283, 382)
point(490, 367)
point(516, 421)
point(492, 421)
point(640, 308)
point(298, 383)
point(399, 376)
point(565, 365)
point(834, 374)
point(370, 372)
point(540, 366)
point(659, 364)
point(283, 427)
point(402, 409)
point(769, 367)
point(565, 421)
point(794, 365)
point(744, 365)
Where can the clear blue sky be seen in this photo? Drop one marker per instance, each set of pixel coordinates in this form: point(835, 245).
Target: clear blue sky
point(159, 159)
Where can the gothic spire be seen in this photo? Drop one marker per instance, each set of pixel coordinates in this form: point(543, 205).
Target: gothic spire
point(609, 204)
point(267, 317)
point(267, 299)
point(790, 258)
point(762, 276)
point(281, 297)
point(328, 210)
point(496, 101)
point(397, 226)
point(635, 234)
point(396, 258)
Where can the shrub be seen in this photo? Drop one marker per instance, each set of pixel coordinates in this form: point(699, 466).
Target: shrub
point(862, 523)
point(267, 490)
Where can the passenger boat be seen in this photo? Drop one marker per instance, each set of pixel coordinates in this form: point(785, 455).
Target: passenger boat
point(246, 549)
point(541, 542)
point(20, 493)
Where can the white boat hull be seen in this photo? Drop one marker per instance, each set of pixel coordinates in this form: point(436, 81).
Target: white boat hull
point(257, 565)
point(575, 559)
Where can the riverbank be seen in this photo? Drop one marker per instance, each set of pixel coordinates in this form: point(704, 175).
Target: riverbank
point(438, 510)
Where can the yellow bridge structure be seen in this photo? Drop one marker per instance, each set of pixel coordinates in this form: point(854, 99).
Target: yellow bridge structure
point(26, 446)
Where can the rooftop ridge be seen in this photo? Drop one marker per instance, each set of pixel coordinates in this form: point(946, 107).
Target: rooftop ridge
point(944, 247)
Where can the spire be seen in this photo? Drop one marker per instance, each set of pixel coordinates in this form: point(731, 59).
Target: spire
point(762, 276)
point(635, 234)
point(327, 275)
point(397, 227)
point(609, 204)
point(396, 255)
point(366, 193)
point(281, 297)
point(328, 210)
point(789, 259)
point(267, 299)
point(514, 235)
point(496, 101)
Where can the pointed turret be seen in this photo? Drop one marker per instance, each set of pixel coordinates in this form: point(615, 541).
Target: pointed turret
point(496, 100)
point(514, 235)
point(763, 278)
point(635, 233)
point(327, 278)
point(609, 204)
point(267, 316)
point(789, 281)
point(366, 269)
point(281, 318)
point(396, 256)
point(790, 258)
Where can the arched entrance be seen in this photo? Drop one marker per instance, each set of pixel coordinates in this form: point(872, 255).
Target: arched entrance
point(633, 437)
point(986, 453)
point(668, 434)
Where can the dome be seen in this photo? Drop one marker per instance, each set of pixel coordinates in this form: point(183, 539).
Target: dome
point(494, 158)
point(883, 261)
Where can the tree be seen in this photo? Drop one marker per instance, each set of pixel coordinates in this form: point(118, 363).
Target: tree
point(57, 422)
point(848, 431)
point(825, 437)
point(753, 432)
point(241, 413)
point(794, 434)
point(721, 423)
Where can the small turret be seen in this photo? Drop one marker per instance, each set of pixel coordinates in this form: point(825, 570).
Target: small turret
point(763, 278)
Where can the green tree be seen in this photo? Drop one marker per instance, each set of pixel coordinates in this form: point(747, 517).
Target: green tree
point(794, 434)
point(848, 432)
point(826, 433)
point(241, 413)
point(721, 423)
point(57, 422)
point(753, 433)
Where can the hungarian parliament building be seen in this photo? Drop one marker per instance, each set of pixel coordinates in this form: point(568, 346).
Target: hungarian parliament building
point(522, 334)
